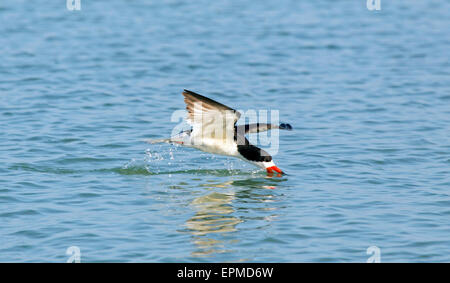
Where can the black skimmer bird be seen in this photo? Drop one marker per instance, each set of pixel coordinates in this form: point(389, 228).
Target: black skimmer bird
point(214, 130)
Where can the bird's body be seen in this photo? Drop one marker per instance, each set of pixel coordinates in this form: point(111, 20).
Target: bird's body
point(214, 130)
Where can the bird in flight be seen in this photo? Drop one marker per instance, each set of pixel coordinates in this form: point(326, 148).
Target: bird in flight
point(214, 130)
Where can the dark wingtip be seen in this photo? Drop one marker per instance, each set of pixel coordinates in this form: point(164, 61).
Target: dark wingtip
point(189, 92)
point(286, 126)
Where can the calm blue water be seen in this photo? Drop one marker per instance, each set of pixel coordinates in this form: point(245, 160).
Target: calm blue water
point(367, 93)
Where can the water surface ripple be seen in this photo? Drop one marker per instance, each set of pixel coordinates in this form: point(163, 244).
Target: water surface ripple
point(367, 93)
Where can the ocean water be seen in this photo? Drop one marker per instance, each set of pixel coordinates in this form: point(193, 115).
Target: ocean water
point(368, 161)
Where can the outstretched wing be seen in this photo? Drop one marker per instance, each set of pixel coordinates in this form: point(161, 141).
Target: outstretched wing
point(206, 106)
point(209, 119)
point(261, 127)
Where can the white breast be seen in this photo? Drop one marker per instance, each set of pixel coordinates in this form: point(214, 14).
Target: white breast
point(222, 147)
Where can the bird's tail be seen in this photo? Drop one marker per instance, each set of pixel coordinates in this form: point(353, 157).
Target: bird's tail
point(151, 141)
point(182, 138)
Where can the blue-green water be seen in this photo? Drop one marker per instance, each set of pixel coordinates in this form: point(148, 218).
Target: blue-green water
point(367, 93)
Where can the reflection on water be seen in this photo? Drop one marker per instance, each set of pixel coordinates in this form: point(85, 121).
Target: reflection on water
point(216, 217)
point(213, 215)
